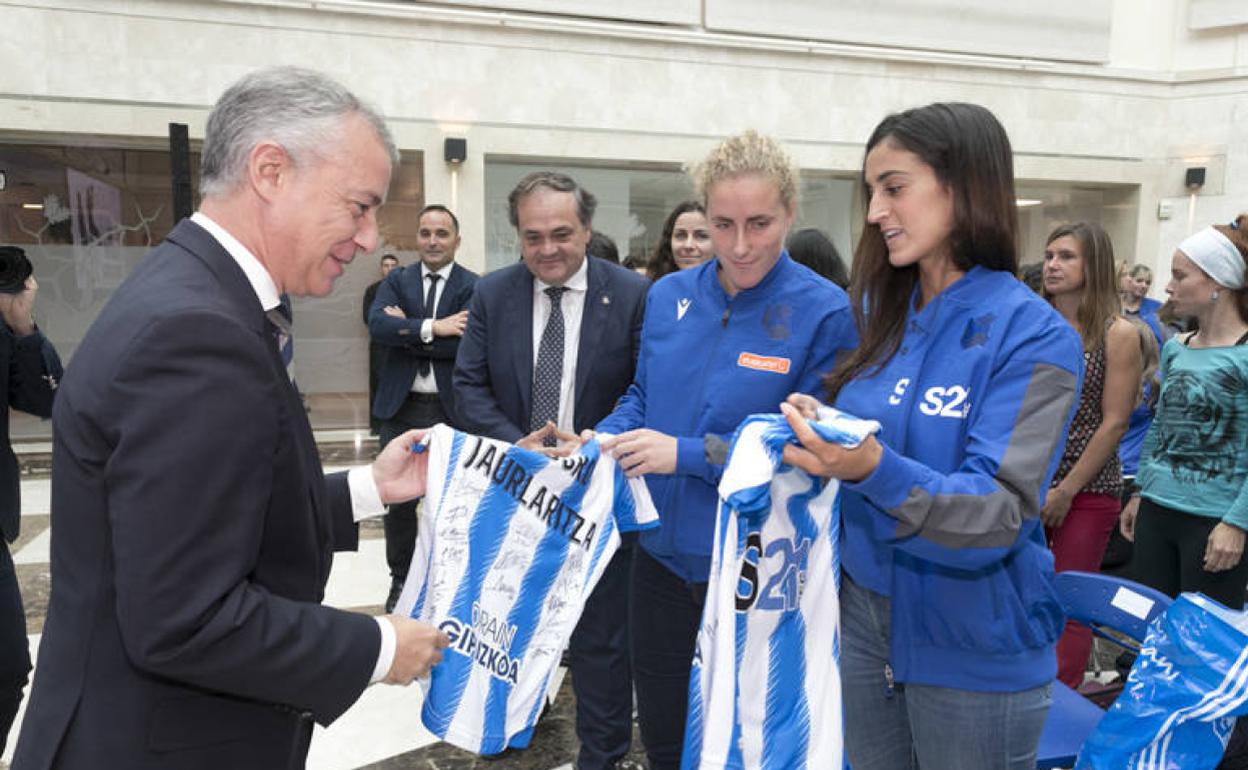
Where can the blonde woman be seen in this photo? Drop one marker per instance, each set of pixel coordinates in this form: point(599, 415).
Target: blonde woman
point(720, 341)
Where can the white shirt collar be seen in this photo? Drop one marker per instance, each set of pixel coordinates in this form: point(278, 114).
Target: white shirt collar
point(443, 272)
point(578, 282)
point(261, 282)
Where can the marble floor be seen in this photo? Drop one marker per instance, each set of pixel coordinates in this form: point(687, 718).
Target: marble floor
point(382, 731)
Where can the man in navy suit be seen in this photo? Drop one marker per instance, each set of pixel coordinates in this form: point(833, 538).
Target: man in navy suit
point(550, 346)
point(418, 315)
point(193, 531)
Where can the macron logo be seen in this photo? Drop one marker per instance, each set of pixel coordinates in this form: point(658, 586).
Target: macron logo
point(682, 307)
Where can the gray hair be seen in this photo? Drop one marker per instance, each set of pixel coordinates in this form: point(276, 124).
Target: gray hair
point(551, 180)
point(300, 109)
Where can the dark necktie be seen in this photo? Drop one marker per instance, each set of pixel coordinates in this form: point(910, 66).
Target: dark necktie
point(282, 330)
point(548, 373)
point(430, 300)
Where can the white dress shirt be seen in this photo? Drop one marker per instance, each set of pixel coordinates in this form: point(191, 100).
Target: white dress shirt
point(426, 383)
point(572, 303)
point(365, 499)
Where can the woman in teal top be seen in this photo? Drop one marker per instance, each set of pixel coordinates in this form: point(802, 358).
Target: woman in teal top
point(1189, 529)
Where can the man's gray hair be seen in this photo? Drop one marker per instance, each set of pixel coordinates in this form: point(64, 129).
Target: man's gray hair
point(300, 109)
point(551, 180)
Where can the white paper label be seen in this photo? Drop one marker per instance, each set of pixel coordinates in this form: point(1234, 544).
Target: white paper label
point(1133, 603)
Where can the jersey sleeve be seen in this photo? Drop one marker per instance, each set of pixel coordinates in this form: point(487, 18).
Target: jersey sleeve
point(633, 508)
point(758, 448)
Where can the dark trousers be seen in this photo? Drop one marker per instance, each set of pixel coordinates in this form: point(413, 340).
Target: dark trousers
point(420, 410)
point(1170, 551)
point(14, 650)
point(666, 615)
point(601, 670)
point(376, 360)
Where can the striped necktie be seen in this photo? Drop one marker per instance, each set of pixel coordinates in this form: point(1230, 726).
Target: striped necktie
point(280, 318)
point(548, 373)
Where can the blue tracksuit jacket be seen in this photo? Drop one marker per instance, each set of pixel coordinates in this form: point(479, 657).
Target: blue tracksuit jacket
point(974, 406)
point(708, 361)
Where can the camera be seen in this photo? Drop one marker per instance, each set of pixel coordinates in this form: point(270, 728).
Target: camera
point(15, 268)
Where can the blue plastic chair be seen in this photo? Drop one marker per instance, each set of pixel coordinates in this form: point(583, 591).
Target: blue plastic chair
point(1103, 603)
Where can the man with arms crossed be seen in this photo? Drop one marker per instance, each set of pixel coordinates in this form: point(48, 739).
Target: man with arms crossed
point(193, 530)
point(418, 314)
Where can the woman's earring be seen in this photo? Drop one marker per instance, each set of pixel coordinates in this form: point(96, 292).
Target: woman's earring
point(1214, 296)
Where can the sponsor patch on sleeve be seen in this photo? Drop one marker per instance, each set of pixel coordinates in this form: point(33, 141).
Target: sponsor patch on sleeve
point(764, 363)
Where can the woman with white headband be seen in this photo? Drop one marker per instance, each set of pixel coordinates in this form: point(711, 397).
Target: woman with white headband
point(1189, 529)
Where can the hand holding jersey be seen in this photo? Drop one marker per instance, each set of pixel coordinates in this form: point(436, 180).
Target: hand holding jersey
point(825, 457)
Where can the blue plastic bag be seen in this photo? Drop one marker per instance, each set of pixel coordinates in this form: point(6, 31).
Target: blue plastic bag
point(1179, 705)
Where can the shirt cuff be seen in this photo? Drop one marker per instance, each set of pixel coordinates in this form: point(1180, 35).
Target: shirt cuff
point(426, 331)
point(365, 499)
point(385, 656)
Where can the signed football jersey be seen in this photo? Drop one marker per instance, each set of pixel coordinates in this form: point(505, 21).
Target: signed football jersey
point(510, 546)
point(765, 689)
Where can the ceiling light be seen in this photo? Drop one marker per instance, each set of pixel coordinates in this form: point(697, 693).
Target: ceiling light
point(1025, 202)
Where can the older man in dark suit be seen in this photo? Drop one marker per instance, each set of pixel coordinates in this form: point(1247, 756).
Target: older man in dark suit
point(418, 316)
point(550, 346)
point(193, 529)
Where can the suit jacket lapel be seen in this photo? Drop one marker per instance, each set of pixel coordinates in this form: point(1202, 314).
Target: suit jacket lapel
point(519, 317)
point(593, 319)
point(449, 291)
point(238, 289)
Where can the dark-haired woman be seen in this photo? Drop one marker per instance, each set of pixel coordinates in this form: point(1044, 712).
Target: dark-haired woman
point(1193, 496)
point(1082, 507)
point(684, 243)
point(948, 613)
point(810, 247)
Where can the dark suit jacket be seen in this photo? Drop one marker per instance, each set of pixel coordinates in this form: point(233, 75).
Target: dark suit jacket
point(29, 373)
point(494, 369)
point(193, 535)
point(404, 286)
point(370, 293)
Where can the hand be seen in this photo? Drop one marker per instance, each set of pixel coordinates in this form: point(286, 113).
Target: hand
point(16, 309)
point(822, 458)
point(399, 472)
point(565, 443)
point(394, 311)
point(643, 451)
point(1056, 507)
point(1226, 546)
point(452, 325)
point(417, 649)
point(1126, 521)
point(587, 435)
point(807, 406)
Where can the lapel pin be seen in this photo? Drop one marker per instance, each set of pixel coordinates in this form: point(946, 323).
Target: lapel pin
point(606, 300)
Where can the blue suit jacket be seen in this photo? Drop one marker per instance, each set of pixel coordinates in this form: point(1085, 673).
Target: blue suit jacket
point(404, 287)
point(494, 368)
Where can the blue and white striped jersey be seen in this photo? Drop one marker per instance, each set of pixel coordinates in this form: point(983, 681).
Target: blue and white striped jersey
point(510, 545)
point(765, 689)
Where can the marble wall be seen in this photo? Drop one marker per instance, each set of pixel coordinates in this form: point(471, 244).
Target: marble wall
point(539, 85)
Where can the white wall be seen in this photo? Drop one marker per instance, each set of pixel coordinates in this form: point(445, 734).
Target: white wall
point(555, 86)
